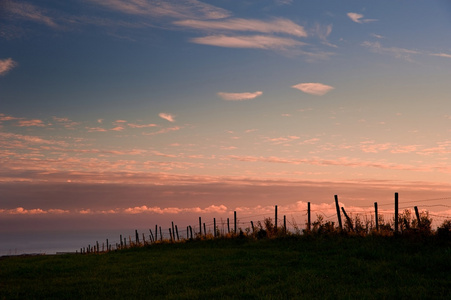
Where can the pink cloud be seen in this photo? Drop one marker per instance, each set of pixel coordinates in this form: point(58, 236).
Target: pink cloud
point(6, 65)
point(239, 96)
point(30, 123)
point(256, 41)
point(314, 88)
point(167, 117)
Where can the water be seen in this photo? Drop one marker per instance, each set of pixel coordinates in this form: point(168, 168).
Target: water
point(51, 242)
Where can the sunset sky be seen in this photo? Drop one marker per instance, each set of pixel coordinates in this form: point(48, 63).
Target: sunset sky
point(142, 109)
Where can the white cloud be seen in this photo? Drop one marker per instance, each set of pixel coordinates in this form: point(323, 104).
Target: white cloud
point(276, 26)
point(255, 41)
point(167, 117)
point(6, 65)
point(358, 18)
point(239, 96)
point(313, 88)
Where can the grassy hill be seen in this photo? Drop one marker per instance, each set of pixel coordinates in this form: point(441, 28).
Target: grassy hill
point(324, 267)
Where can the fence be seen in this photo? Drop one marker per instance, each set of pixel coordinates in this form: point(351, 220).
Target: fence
point(298, 221)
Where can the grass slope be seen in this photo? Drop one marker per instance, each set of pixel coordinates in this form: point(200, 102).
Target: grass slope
point(328, 267)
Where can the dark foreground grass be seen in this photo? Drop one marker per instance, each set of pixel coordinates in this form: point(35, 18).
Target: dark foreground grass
point(292, 267)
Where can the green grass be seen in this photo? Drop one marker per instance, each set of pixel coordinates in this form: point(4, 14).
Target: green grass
point(326, 267)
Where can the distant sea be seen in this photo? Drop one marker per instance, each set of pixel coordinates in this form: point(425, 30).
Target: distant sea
point(51, 242)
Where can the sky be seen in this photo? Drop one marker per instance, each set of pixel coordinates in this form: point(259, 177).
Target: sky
point(119, 113)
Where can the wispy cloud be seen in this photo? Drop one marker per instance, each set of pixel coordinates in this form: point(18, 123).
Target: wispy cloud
point(167, 117)
point(30, 123)
point(377, 47)
point(180, 9)
point(6, 65)
point(279, 25)
point(29, 12)
point(445, 55)
point(176, 210)
point(239, 96)
point(358, 18)
point(313, 88)
point(255, 41)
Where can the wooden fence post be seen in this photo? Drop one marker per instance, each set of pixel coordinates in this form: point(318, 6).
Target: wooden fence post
point(97, 243)
point(205, 231)
point(284, 224)
point(418, 216)
point(161, 235)
point(252, 225)
point(234, 217)
point(376, 216)
point(136, 237)
point(177, 232)
point(396, 213)
point(156, 233)
point(107, 245)
point(173, 231)
point(151, 236)
point(144, 239)
point(214, 227)
point(338, 212)
point(228, 226)
point(191, 231)
point(275, 222)
point(121, 241)
point(347, 218)
point(200, 226)
point(170, 234)
point(309, 221)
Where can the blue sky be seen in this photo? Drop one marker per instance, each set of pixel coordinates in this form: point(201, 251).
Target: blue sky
point(241, 93)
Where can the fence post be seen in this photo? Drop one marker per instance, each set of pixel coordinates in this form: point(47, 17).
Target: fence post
point(228, 226)
point(347, 218)
point(284, 224)
point(107, 245)
point(252, 225)
point(177, 232)
point(161, 235)
point(121, 240)
point(214, 227)
point(136, 237)
point(309, 222)
point(234, 217)
point(97, 243)
point(275, 222)
point(205, 231)
point(376, 216)
point(156, 233)
point(170, 234)
point(396, 213)
point(418, 216)
point(200, 226)
point(191, 231)
point(338, 212)
point(151, 236)
point(144, 239)
point(173, 231)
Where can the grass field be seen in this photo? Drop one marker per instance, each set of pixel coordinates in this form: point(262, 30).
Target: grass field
point(325, 267)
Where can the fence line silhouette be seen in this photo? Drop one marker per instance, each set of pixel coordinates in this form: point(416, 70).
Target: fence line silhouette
point(290, 221)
